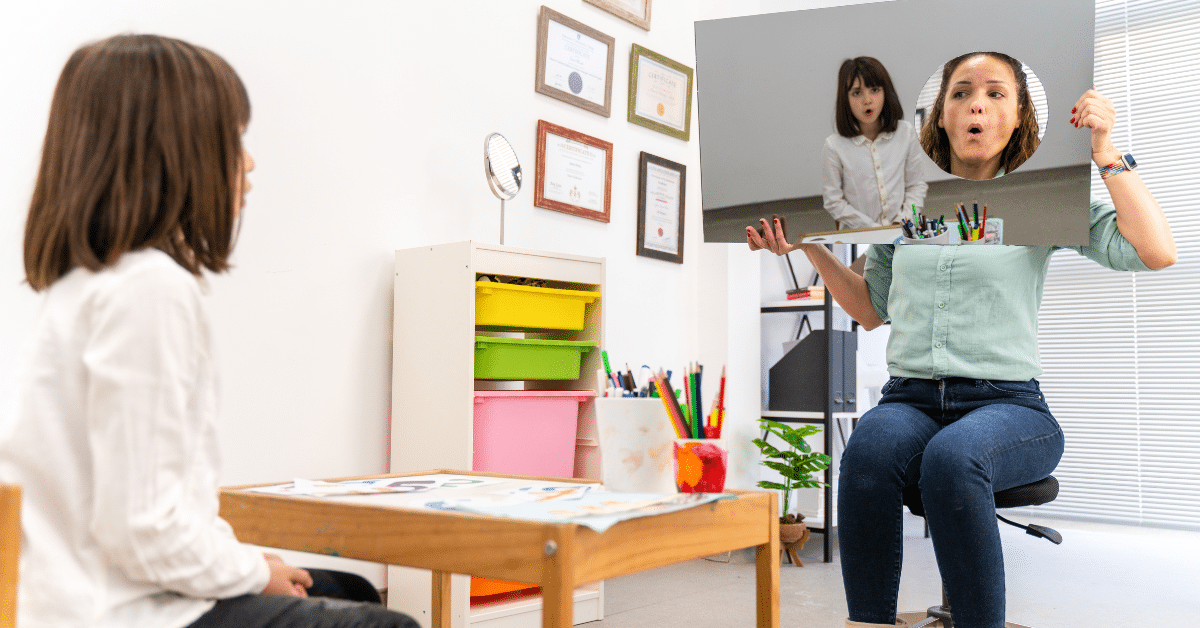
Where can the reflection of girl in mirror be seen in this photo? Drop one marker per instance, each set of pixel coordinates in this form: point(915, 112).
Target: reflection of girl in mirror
point(872, 165)
point(983, 123)
point(963, 415)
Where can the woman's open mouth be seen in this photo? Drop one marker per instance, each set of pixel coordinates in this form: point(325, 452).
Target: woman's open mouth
point(975, 130)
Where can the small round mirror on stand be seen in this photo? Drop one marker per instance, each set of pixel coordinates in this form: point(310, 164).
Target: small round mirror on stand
point(503, 171)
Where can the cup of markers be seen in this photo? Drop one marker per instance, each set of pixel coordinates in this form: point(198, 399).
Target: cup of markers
point(921, 229)
point(972, 226)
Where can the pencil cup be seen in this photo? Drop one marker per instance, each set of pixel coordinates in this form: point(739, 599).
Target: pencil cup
point(974, 242)
point(941, 238)
point(700, 466)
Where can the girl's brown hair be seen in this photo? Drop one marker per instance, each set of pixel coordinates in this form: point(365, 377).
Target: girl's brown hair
point(1024, 140)
point(873, 74)
point(143, 149)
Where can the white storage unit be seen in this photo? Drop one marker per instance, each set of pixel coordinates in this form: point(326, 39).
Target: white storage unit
point(433, 395)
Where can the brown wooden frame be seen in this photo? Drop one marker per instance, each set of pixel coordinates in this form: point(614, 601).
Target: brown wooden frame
point(643, 162)
point(641, 21)
point(539, 198)
point(556, 556)
point(544, 17)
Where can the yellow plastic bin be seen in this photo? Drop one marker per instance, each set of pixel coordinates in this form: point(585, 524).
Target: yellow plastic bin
point(528, 358)
point(501, 306)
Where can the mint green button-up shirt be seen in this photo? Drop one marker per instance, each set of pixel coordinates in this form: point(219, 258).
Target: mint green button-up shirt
point(971, 311)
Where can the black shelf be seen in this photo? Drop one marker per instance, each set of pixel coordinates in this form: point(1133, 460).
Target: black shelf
point(825, 419)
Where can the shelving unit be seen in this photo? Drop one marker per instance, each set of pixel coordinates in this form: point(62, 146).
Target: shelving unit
point(825, 519)
point(825, 419)
point(433, 394)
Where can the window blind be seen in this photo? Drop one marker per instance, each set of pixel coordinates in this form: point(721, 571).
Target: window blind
point(1121, 351)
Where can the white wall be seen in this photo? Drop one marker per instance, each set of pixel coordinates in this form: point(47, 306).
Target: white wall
point(367, 129)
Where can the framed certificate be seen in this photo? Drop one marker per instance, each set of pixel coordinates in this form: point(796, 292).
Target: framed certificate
point(574, 172)
point(660, 93)
point(574, 62)
point(660, 208)
point(635, 11)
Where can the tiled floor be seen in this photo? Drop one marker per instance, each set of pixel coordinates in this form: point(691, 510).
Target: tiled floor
point(1102, 575)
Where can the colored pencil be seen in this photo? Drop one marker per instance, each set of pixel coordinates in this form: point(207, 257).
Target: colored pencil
point(672, 405)
point(721, 394)
point(687, 388)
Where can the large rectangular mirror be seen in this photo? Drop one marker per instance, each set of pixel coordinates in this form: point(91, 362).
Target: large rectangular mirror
point(768, 90)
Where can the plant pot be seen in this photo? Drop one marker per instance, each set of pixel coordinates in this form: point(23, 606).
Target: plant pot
point(792, 537)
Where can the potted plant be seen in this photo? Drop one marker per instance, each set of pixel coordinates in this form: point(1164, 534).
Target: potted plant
point(796, 462)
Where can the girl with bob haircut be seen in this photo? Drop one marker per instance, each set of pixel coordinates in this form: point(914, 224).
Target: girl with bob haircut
point(962, 415)
point(974, 130)
point(872, 165)
point(141, 182)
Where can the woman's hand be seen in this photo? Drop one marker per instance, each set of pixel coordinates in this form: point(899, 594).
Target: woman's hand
point(286, 579)
point(771, 236)
point(1097, 113)
point(847, 287)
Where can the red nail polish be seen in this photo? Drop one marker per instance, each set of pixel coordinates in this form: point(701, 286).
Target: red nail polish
point(1072, 120)
point(1073, 109)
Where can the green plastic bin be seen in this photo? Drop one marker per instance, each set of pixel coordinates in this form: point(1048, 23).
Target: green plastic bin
point(527, 358)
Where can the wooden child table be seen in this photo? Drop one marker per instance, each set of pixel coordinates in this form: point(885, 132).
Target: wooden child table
point(555, 556)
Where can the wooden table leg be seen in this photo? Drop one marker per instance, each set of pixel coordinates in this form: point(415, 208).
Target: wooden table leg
point(767, 574)
point(558, 579)
point(439, 613)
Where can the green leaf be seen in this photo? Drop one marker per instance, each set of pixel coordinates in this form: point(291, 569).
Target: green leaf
point(767, 449)
point(792, 456)
point(784, 469)
point(768, 423)
point(774, 485)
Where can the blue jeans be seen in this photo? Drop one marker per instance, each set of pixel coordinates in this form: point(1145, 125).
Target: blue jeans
point(959, 440)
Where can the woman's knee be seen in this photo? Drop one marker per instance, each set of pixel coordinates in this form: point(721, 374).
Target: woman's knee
point(946, 468)
point(887, 438)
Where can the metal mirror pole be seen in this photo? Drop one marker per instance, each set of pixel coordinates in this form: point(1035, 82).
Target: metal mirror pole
point(503, 171)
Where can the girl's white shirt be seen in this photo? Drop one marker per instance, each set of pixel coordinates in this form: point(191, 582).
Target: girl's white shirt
point(873, 183)
point(114, 439)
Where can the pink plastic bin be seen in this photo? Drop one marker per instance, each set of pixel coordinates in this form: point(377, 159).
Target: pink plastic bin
point(527, 432)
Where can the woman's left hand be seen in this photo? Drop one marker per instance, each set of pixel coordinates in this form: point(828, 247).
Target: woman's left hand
point(1096, 112)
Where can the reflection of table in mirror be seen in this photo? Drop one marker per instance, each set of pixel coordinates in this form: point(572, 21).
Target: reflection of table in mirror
point(555, 556)
point(873, 235)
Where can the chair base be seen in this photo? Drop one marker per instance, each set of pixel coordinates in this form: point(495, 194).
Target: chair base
point(916, 617)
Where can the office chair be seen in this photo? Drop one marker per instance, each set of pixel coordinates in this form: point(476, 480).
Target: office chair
point(1032, 494)
point(10, 552)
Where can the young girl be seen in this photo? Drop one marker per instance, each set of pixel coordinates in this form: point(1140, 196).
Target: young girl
point(962, 416)
point(982, 123)
point(872, 165)
point(141, 181)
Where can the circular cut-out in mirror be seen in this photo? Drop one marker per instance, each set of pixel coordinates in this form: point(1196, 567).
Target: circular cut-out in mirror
point(981, 115)
point(501, 166)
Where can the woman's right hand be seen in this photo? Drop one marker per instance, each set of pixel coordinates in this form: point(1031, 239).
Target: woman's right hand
point(771, 236)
